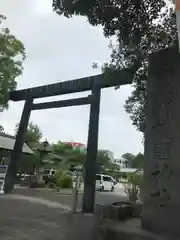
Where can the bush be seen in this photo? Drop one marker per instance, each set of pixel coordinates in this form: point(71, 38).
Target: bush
point(63, 179)
point(66, 182)
point(60, 180)
point(51, 185)
point(132, 187)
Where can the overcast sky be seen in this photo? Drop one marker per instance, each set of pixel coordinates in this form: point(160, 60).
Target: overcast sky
point(61, 49)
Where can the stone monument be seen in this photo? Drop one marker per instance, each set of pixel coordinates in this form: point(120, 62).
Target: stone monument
point(161, 210)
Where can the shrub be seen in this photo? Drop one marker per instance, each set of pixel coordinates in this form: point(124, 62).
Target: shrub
point(132, 187)
point(66, 182)
point(63, 179)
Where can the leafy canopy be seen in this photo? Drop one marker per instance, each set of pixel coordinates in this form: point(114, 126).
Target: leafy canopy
point(12, 54)
point(33, 134)
point(140, 27)
point(32, 138)
point(134, 161)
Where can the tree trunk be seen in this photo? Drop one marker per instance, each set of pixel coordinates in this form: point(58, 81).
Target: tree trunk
point(161, 211)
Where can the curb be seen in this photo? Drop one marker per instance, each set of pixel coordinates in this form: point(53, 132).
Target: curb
point(61, 192)
point(42, 201)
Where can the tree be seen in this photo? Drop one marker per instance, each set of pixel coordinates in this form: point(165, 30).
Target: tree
point(132, 187)
point(33, 134)
point(77, 157)
point(104, 162)
point(138, 161)
point(12, 54)
point(129, 157)
point(1, 129)
point(28, 163)
point(69, 155)
point(140, 27)
point(134, 161)
point(61, 149)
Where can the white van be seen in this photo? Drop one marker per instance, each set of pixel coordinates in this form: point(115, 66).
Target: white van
point(104, 182)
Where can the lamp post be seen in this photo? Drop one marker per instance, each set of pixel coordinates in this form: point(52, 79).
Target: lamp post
point(78, 173)
point(43, 149)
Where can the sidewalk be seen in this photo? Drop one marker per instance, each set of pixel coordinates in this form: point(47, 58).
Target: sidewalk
point(64, 197)
point(25, 219)
point(63, 191)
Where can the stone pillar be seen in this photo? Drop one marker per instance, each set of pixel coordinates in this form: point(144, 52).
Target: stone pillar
point(92, 146)
point(18, 145)
point(161, 211)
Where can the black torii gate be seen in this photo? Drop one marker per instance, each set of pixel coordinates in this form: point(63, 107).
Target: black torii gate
point(93, 83)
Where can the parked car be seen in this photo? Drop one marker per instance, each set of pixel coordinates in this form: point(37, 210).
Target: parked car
point(104, 183)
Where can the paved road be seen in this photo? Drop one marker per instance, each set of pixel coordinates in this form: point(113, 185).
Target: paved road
point(27, 220)
point(44, 215)
point(66, 198)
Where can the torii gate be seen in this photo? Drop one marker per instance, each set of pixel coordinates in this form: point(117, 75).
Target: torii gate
point(91, 83)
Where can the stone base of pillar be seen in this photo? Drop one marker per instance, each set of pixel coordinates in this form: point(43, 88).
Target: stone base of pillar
point(129, 230)
point(116, 222)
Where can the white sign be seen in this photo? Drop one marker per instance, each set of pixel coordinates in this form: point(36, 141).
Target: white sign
point(3, 171)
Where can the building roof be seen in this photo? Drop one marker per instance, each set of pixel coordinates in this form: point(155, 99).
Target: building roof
point(7, 143)
point(75, 144)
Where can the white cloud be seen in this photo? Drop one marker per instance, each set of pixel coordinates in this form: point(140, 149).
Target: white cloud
point(61, 49)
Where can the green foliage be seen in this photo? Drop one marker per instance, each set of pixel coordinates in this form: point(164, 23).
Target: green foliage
point(76, 157)
point(102, 158)
point(138, 161)
point(61, 149)
point(25, 165)
point(105, 163)
point(132, 187)
point(140, 27)
point(29, 163)
point(69, 155)
point(12, 54)
point(129, 157)
point(61, 179)
point(134, 161)
point(33, 134)
point(66, 182)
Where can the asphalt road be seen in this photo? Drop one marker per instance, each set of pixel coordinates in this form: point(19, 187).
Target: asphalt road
point(66, 198)
point(44, 215)
point(27, 220)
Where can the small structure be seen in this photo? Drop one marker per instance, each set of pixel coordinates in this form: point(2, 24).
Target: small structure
point(125, 171)
point(6, 147)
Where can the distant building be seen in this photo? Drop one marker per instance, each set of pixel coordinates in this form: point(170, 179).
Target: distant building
point(7, 146)
point(125, 171)
point(122, 162)
point(76, 145)
point(109, 154)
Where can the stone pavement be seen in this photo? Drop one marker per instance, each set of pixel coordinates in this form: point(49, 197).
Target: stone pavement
point(27, 219)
